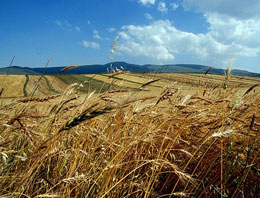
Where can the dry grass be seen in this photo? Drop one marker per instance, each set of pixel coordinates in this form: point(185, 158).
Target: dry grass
point(126, 79)
point(202, 80)
point(106, 79)
point(68, 68)
point(132, 144)
point(15, 84)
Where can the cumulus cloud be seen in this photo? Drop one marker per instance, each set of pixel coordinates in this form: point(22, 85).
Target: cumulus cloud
point(233, 31)
point(146, 2)
point(232, 22)
point(89, 44)
point(148, 16)
point(162, 41)
point(230, 30)
point(162, 7)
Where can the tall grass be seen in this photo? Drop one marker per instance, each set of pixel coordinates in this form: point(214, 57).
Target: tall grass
point(132, 144)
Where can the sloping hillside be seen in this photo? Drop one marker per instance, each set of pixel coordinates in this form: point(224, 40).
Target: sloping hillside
point(102, 69)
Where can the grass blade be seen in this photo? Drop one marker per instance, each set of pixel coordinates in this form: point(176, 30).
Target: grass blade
point(208, 70)
point(148, 83)
point(250, 89)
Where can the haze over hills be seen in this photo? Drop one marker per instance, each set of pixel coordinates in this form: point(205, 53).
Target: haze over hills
point(149, 68)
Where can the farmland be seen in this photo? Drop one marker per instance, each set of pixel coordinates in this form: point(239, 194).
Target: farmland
point(18, 86)
point(129, 135)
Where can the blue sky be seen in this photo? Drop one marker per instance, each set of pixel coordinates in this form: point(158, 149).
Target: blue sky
point(149, 31)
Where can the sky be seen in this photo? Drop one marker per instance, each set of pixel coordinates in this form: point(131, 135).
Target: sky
point(79, 32)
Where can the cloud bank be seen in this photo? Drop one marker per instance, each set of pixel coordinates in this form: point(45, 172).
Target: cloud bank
point(230, 35)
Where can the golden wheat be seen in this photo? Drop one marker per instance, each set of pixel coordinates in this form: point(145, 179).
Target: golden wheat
point(123, 143)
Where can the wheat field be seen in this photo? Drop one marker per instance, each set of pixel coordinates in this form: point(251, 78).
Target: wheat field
point(144, 135)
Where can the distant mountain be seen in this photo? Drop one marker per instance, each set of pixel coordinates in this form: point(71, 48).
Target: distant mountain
point(17, 70)
point(95, 69)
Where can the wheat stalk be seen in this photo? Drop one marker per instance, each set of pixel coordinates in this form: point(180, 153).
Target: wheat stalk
point(68, 68)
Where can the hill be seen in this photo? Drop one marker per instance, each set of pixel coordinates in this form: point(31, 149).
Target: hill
point(149, 68)
point(16, 70)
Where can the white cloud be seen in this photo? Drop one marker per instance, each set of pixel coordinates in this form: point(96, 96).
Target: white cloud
point(162, 41)
point(89, 22)
point(242, 9)
point(174, 6)
point(230, 30)
point(90, 44)
point(148, 16)
point(111, 29)
point(96, 34)
point(146, 2)
point(77, 28)
point(162, 7)
point(67, 26)
point(64, 25)
point(232, 22)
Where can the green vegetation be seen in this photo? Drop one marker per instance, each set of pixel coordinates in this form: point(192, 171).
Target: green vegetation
point(49, 85)
point(25, 85)
point(86, 84)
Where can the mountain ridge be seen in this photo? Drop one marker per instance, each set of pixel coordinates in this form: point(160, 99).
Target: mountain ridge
point(104, 68)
